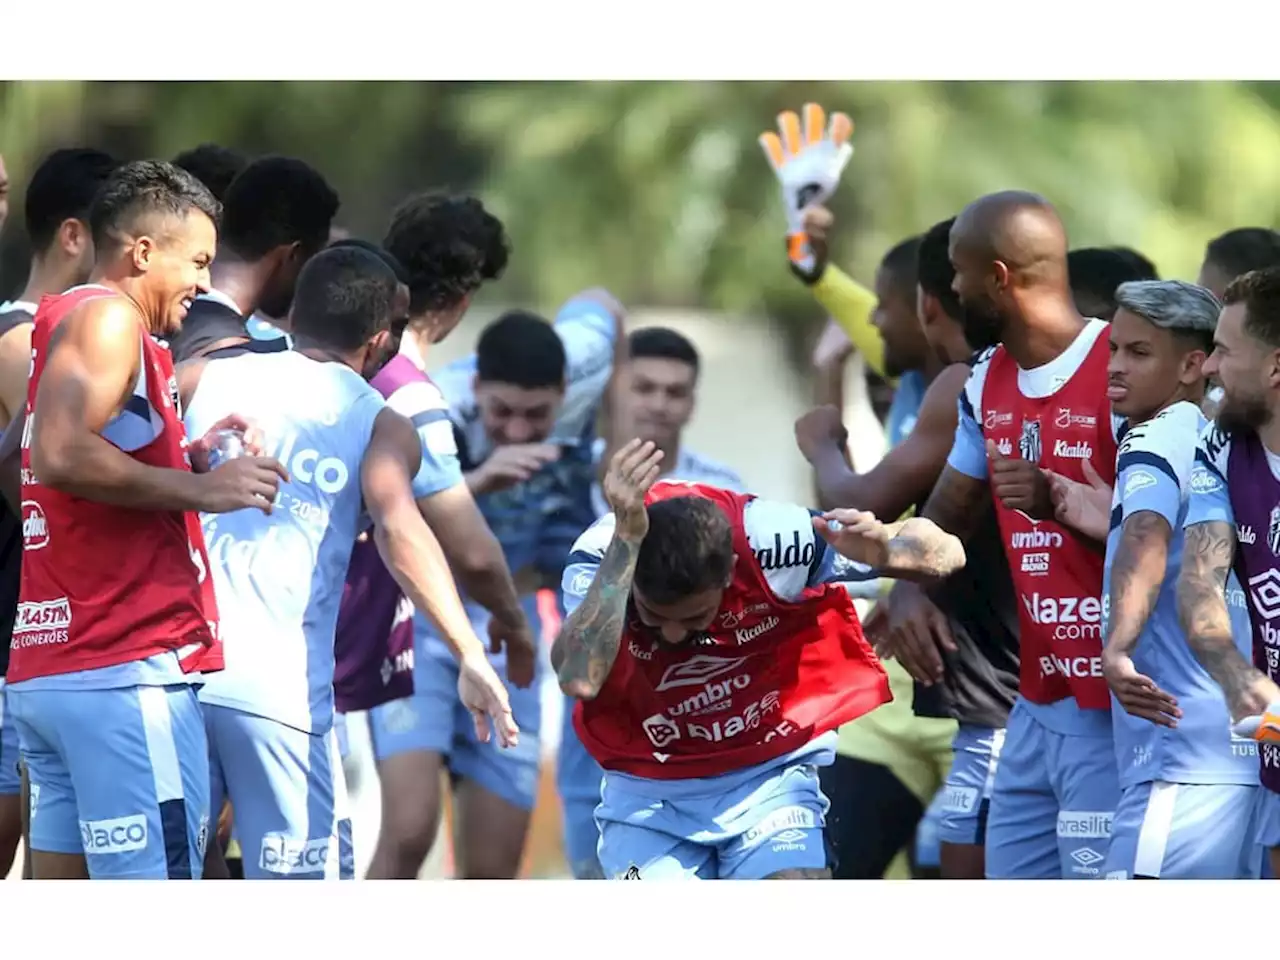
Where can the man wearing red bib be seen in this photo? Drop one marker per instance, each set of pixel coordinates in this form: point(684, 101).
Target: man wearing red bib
point(713, 652)
point(116, 616)
point(1037, 402)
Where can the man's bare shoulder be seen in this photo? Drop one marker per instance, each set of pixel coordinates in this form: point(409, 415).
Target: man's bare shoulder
point(106, 328)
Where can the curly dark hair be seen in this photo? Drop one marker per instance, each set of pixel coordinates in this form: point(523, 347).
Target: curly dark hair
point(448, 245)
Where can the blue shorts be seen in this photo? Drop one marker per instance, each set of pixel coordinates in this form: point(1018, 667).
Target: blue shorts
point(10, 781)
point(763, 824)
point(340, 731)
point(1267, 819)
point(434, 720)
point(1052, 803)
point(1185, 831)
point(967, 791)
point(120, 775)
point(578, 779)
point(928, 834)
point(288, 797)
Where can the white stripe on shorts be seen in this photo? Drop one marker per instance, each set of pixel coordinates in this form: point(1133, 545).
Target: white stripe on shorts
point(341, 806)
point(997, 744)
point(1153, 837)
point(161, 747)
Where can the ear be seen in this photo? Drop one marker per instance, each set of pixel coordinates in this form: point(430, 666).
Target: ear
point(74, 237)
point(1190, 369)
point(1272, 369)
point(143, 254)
point(1000, 275)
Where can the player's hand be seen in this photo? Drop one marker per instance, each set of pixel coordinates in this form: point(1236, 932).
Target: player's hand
point(907, 627)
point(239, 483)
point(512, 464)
point(808, 163)
point(1255, 710)
point(855, 534)
point(482, 693)
point(522, 651)
point(833, 349)
point(1138, 694)
point(1084, 507)
point(1020, 484)
point(632, 471)
point(251, 438)
point(820, 429)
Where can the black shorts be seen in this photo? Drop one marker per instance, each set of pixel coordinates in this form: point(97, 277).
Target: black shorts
point(873, 817)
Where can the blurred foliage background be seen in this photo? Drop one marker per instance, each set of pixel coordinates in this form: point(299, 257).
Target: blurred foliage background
point(659, 190)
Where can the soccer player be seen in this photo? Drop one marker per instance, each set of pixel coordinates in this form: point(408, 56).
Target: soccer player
point(1036, 402)
point(277, 215)
point(662, 385)
point(960, 644)
point(1187, 786)
point(889, 764)
point(1233, 524)
point(712, 649)
point(524, 410)
point(1236, 253)
point(213, 165)
point(447, 247)
point(1096, 272)
point(279, 575)
point(102, 691)
point(56, 209)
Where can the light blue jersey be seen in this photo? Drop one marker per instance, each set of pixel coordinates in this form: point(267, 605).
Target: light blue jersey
point(260, 329)
point(905, 408)
point(749, 823)
point(278, 577)
point(422, 403)
point(1153, 473)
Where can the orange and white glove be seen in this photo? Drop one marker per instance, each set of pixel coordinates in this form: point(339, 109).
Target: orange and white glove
point(808, 164)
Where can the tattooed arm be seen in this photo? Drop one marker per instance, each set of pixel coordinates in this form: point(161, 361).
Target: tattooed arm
point(598, 586)
point(1137, 574)
point(912, 549)
point(583, 653)
point(958, 503)
point(1208, 551)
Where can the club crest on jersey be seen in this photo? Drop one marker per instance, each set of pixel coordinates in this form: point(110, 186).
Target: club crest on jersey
point(1273, 531)
point(1029, 443)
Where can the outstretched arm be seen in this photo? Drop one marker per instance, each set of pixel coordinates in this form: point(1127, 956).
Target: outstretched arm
point(912, 549)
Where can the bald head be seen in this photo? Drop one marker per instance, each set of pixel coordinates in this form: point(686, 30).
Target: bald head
point(1021, 230)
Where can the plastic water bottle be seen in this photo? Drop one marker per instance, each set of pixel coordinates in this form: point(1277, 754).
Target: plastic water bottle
point(227, 445)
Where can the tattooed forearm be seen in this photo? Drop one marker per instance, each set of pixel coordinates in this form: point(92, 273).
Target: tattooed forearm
point(1207, 553)
point(1137, 574)
point(588, 641)
point(957, 503)
point(920, 550)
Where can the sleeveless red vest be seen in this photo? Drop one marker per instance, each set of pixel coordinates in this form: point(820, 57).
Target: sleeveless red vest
point(767, 678)
point(104, 585)
point(1057, 575)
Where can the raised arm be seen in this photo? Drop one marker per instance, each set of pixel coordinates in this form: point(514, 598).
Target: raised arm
point(913, 549)
point(585, 650)
point(905, 475)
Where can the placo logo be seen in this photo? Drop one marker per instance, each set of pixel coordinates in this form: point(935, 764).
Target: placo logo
point(121, 835)
point(328, 474)
point(283, 856)
point(1204, 480)
point(697, 670)
point(1138, 480)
